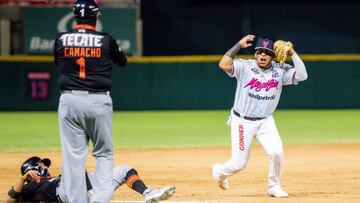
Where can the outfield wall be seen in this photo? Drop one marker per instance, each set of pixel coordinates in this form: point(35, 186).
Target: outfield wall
point(182, 27)
point(193, 82)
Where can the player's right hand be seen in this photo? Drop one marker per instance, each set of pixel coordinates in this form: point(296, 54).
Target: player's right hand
point(245, 42)
point(31, 175)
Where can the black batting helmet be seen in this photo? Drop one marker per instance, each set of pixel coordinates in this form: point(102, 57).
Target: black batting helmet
point(32, 163)
point(85, 9)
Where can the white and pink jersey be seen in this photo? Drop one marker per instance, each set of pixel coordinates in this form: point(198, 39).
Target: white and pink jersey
point(258, 91)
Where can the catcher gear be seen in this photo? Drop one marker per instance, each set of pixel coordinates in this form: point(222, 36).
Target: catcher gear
point(282, 50)
point(33, 164)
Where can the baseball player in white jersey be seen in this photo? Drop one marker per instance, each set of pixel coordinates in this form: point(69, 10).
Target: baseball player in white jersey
point(259, 85)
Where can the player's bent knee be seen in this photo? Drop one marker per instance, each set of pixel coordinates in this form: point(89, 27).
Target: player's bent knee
point(120, 172)
point(108, 154)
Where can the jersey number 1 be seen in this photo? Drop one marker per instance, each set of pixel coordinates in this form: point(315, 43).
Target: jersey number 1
point(81, 63)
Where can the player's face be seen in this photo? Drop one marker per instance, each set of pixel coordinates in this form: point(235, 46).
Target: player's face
point(263, 58)
point(44, 169)
point(42, 165)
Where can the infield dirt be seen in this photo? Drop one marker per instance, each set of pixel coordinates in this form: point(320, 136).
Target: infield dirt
point(312, 173)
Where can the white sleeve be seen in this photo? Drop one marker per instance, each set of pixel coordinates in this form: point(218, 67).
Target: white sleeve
point(236, 69)
point(289, 73)
point(300, 70)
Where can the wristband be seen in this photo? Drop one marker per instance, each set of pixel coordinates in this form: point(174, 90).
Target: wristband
point(13, 194)
point(233, 51)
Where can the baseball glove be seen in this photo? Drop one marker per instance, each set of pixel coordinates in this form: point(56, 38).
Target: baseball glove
point(282, 49)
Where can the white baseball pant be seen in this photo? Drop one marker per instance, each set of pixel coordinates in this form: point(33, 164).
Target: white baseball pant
point(242, 133)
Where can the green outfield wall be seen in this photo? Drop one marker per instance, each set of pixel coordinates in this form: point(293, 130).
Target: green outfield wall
point(30, 83)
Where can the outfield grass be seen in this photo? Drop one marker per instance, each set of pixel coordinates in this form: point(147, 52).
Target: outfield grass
point(27, 131)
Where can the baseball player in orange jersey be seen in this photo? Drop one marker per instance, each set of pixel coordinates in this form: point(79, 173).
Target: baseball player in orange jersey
point(259, 85)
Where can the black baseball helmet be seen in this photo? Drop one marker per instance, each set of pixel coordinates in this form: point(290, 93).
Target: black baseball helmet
point(32, 163)
point(85, 9)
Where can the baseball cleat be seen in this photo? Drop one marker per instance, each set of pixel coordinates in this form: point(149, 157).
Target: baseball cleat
point(223, 183)
point(277, 192)
point(155, 195)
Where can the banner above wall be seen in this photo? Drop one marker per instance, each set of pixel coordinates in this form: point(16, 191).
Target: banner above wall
point(42, 24)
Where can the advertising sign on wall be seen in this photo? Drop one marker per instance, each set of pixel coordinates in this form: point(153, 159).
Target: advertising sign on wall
point(42, 24)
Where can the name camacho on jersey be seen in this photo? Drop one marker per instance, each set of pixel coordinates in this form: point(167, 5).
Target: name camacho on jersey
point(84, 58)
point(82, 45)
point(258, 91)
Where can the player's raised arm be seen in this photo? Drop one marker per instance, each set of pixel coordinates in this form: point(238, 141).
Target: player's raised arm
point(299, 66)
point(15, 190)
point(226, 61)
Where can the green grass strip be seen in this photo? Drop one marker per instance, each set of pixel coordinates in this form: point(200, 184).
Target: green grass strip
point(28, 131)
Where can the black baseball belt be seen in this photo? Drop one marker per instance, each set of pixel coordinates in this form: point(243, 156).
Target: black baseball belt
point(247, 117)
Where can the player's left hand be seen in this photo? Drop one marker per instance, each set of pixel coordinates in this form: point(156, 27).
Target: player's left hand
point(282, 50)
point(292, 51)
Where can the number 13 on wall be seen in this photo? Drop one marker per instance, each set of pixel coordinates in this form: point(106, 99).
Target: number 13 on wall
point(39, 85)
point(81, 63)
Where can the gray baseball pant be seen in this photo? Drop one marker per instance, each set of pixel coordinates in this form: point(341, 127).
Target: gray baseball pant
point(84, 116)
